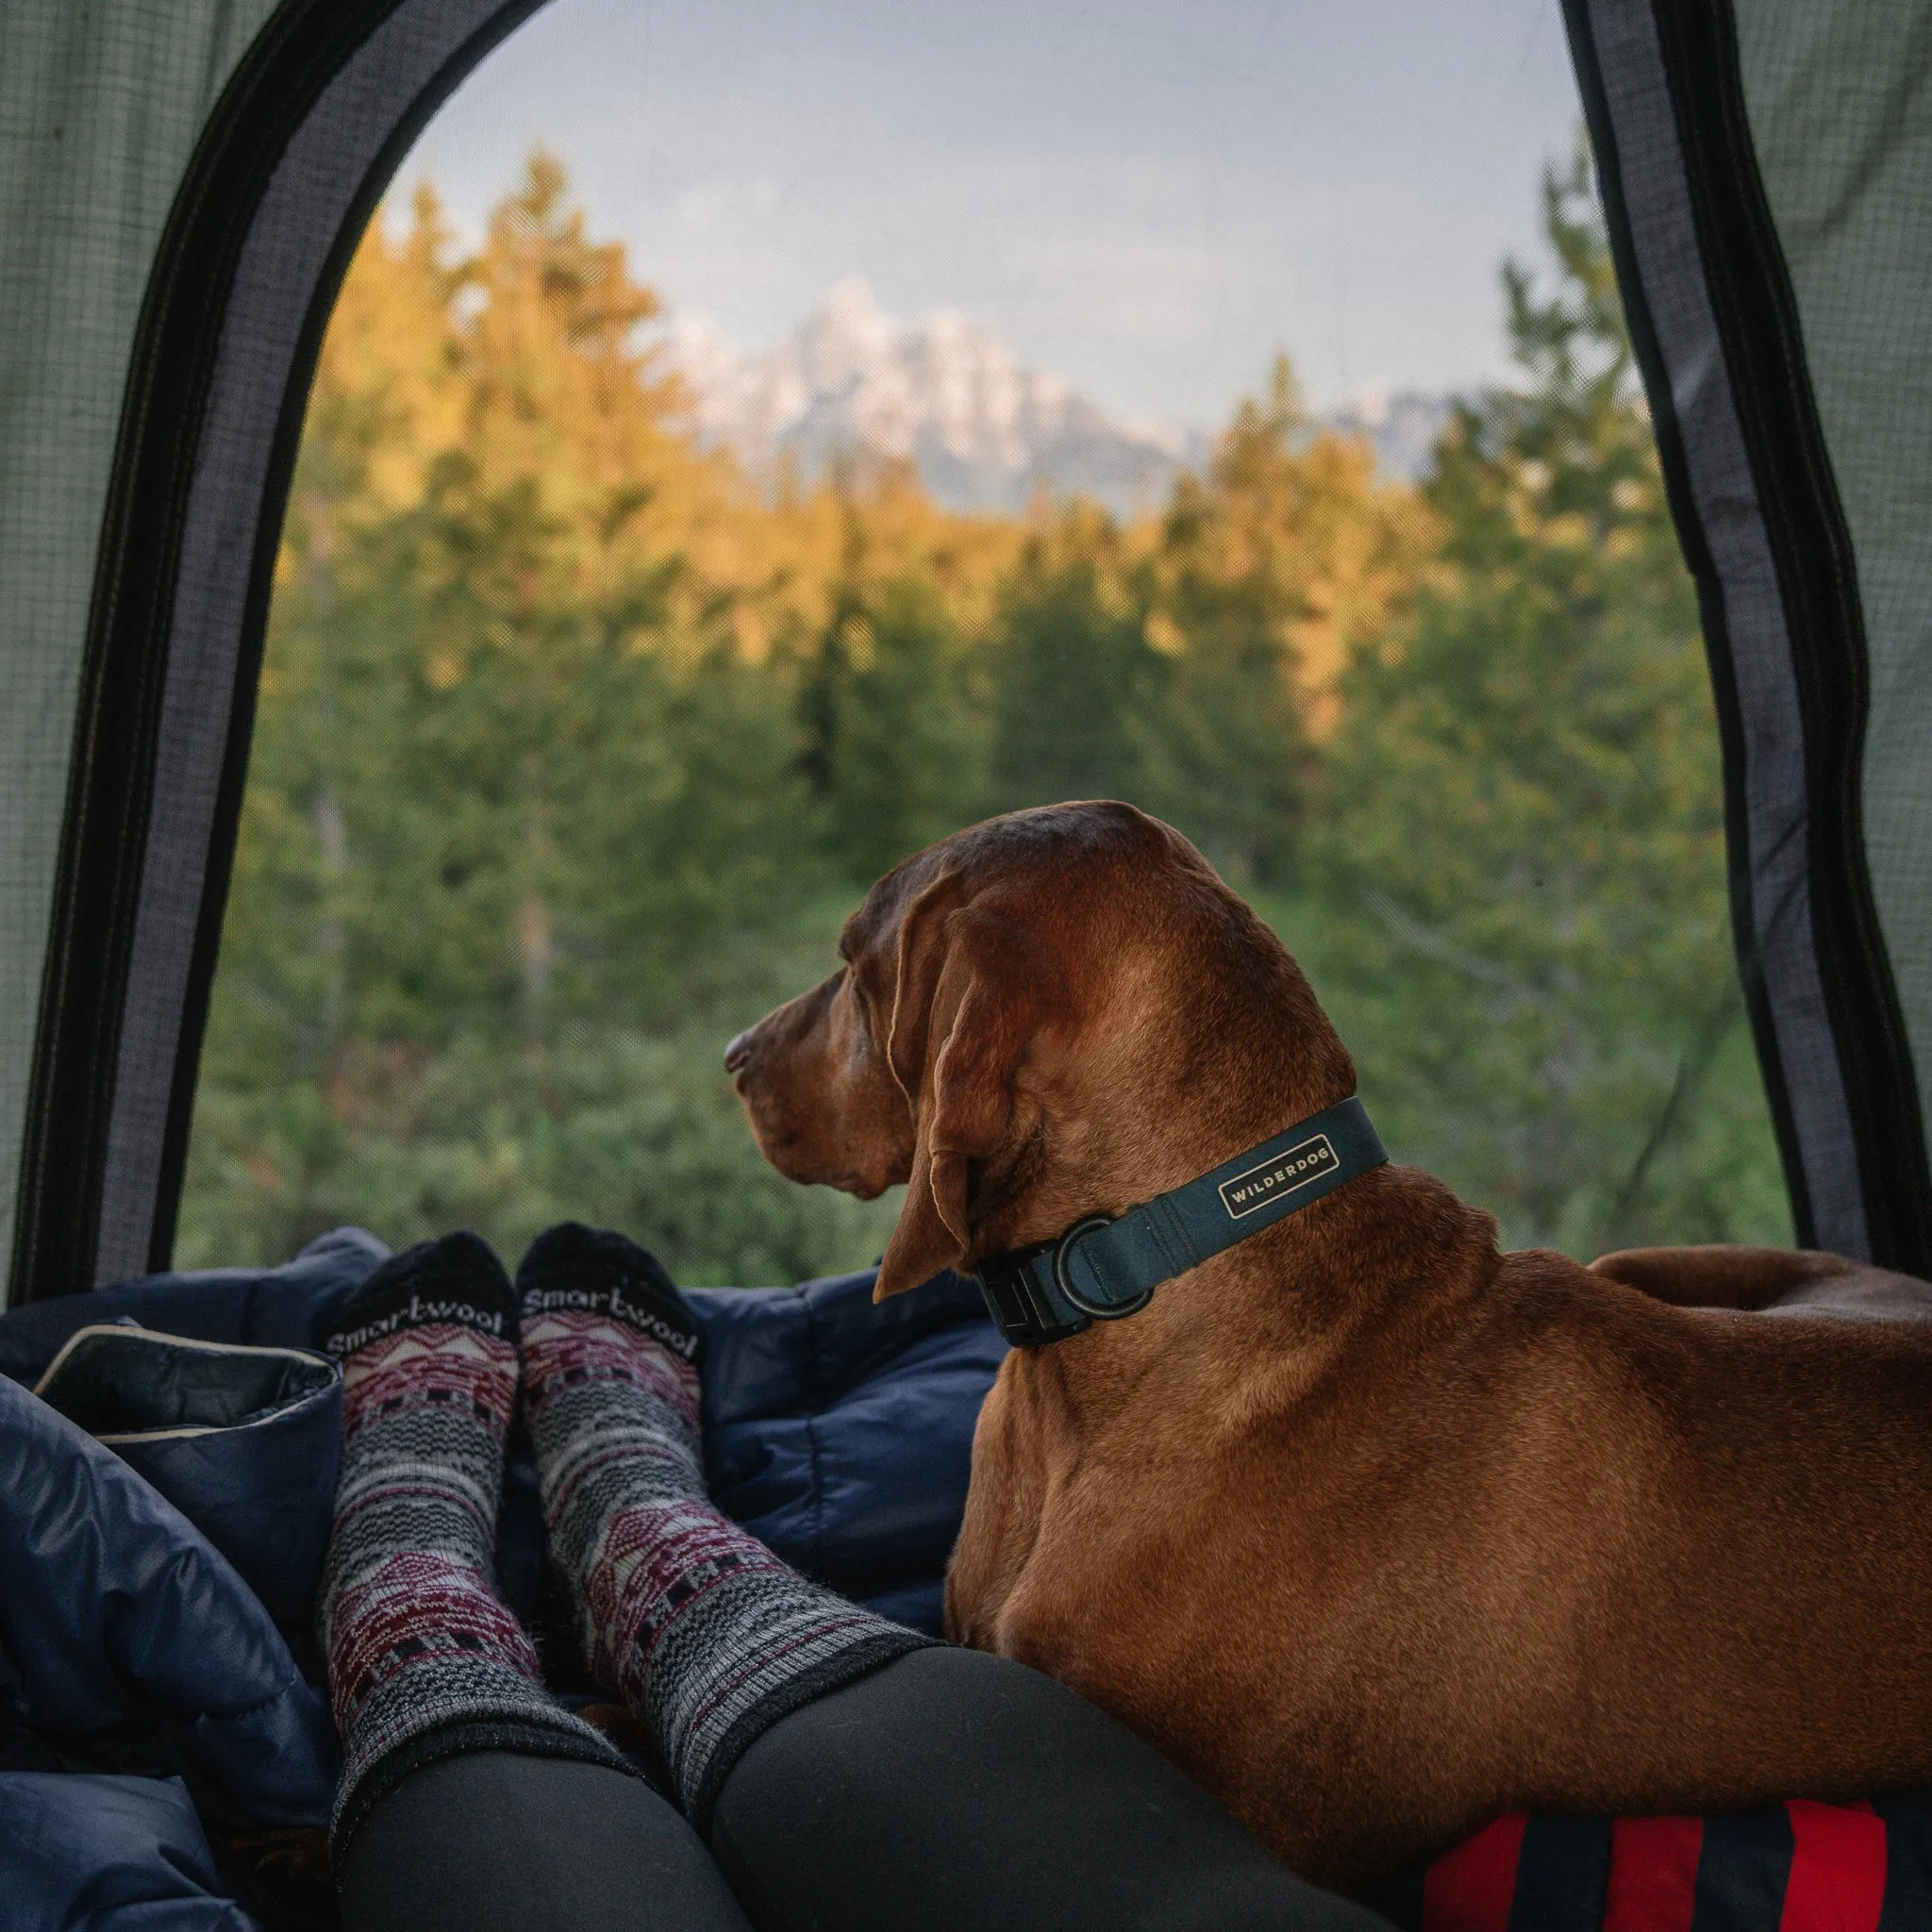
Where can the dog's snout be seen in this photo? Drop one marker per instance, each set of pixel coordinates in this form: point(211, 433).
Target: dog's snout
point(738, 1054)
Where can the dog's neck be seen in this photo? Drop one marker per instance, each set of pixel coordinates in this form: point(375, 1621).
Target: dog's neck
point(1143, 1116)
point(1257, 1328)
point(1152, 1093)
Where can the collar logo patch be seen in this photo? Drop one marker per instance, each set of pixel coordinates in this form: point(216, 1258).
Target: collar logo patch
point(1273, 1179)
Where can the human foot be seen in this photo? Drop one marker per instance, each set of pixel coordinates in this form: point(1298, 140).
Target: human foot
point(424, 1661)
point(706, 1635)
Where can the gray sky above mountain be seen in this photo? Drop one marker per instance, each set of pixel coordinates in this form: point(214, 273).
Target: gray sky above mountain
point(1145, 197)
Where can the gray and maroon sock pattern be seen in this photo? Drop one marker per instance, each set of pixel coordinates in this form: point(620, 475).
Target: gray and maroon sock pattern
point(705, 1635)
point(424, 1661)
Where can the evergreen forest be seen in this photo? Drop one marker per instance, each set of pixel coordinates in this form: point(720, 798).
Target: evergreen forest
point(576, 741)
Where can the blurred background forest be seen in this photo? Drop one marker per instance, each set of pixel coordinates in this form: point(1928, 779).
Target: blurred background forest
point(577, 740)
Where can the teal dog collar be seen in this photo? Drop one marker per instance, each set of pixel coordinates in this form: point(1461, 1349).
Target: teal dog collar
point(1100, 1270)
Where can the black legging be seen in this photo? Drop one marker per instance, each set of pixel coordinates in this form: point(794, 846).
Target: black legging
point(949, 1791)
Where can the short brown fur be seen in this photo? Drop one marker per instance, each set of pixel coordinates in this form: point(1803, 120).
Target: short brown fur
point(1378, 1531)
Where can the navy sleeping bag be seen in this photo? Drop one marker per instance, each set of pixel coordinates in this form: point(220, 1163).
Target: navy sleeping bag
point(144, 1691)
point(147, 1695)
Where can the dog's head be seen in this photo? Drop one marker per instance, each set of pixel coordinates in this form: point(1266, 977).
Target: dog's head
point(1037, 1018)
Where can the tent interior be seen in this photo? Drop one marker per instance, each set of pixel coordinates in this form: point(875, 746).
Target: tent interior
point(187, 185)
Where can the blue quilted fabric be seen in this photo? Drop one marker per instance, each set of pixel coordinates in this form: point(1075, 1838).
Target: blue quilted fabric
point(143, 1687)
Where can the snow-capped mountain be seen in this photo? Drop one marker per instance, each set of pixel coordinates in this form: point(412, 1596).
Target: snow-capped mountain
point(983, 432)
point(1402, 426)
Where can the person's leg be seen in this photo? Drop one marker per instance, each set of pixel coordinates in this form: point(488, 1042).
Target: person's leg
point(496, 1841)
point(953, 1790)
point(848, 1773)
point(705, 1635)
point(468, 1799)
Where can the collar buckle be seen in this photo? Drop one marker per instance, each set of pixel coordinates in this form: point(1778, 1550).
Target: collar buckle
point(1031, 1297)
point(1019, 1294)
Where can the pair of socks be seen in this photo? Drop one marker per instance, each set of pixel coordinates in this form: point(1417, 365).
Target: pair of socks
point(706, 1635)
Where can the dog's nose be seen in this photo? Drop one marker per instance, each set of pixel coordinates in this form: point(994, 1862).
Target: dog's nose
point(739, 1052)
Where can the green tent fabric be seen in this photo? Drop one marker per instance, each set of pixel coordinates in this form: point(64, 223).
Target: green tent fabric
point(185, 185)
point(1767, 171)
point(182, 181)
point(1840, 99)
point(100, 110)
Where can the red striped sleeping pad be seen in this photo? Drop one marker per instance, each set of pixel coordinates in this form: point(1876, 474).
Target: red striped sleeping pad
point(1799, 1867)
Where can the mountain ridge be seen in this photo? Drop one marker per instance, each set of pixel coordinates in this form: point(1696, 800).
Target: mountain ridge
point(984, 432)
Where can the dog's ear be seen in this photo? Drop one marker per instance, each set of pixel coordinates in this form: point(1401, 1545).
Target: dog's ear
point(966, 1008)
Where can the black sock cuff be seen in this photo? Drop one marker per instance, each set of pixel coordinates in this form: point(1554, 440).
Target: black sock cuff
point(885, 1645)
point(455, 1279)
point(571, 1267)
point(529, 1737)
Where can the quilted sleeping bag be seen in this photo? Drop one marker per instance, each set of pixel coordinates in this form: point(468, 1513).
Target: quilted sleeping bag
point(151, 1707)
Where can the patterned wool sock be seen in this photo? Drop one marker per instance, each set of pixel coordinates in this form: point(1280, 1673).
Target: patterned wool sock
point(423, 1661)
point(705, 1635)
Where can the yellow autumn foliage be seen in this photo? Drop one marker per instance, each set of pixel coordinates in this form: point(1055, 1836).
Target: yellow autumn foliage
point(523, 361)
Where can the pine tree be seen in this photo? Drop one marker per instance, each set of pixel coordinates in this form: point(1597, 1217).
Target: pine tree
point(524, 808)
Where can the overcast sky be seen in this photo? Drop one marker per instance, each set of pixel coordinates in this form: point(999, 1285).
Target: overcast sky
point(1147, 197)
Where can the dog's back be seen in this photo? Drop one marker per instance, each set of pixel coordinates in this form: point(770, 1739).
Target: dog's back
point(1737, 1502)
point(1539, 1541)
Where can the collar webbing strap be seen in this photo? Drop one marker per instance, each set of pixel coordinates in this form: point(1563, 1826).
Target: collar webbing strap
point(1100, 1270)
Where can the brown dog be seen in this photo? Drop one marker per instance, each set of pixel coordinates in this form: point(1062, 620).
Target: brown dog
point(1378, 1531)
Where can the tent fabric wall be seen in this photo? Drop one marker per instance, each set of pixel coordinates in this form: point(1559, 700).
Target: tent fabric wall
point(1839, 95)
point(284, 171)
point(1766, 177)
point(181, 182)
point(101, 105)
